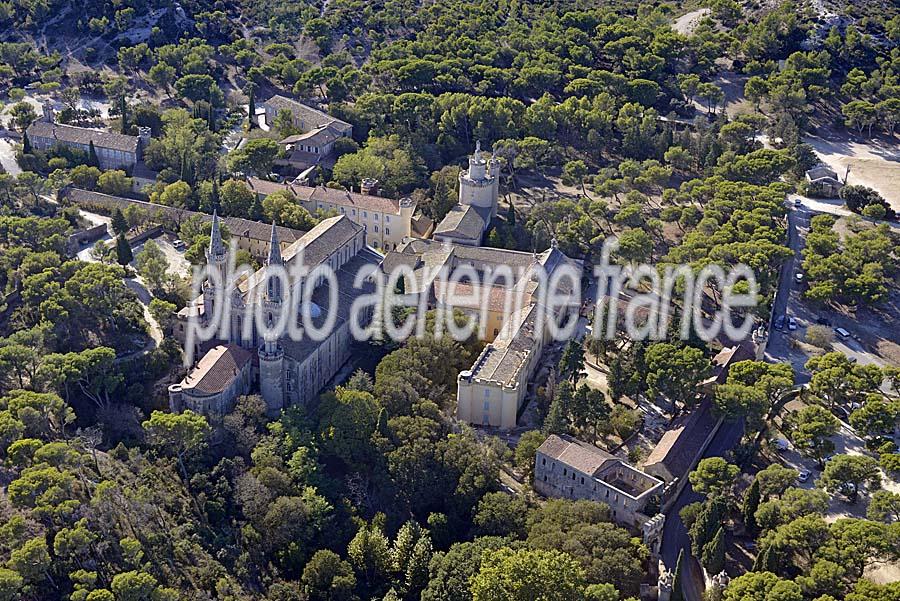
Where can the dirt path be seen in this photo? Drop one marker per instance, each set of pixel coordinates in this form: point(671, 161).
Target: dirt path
point(685, 24)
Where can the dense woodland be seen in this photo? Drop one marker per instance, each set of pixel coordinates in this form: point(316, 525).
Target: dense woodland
point(374, 491)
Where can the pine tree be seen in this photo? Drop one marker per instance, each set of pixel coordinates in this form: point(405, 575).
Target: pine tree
point(93, 159)
point(751, 504)
point(677, 594)
point(123, 251)
point(26, 144)
point(123, 108)
point(119, 223)
point(714, 553)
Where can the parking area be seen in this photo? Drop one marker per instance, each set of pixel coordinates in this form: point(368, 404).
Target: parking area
point(868, 336)
point(178, 265)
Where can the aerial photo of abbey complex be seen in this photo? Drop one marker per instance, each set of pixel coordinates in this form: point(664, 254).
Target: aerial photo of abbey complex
point(557, 300)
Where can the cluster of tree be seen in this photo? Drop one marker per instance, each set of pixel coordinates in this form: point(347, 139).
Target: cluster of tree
point(854, 267)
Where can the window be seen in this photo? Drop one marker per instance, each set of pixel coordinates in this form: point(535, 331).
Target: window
point(376, 229)
point(387, 218)
point(354, 212)
point(582, 479)
point(487, 405)
point(387, 231)
point(565, 472)
point(543, 461)
point(365, 214)
point(375, 216)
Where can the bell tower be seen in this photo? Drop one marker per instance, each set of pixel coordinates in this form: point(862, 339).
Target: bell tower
point(216, 259)
point(271, 354)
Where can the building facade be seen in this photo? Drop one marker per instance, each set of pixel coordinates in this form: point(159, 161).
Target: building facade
point(114, 151)
point(567, 468)
point(290, 371)
point(386, 222)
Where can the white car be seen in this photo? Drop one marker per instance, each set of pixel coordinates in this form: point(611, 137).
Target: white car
point(792, 324)
point(803, 476)
point(798, 277)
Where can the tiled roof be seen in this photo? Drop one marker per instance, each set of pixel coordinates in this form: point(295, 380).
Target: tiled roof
point(217, 369)
point(316, 246)
point(83, 135)
point(581, 456)
point(422, 226)
point(681, 442)
point(502, 360)
point(315, 195)
point(320, 135)
point(312, 117)
point(463, 221)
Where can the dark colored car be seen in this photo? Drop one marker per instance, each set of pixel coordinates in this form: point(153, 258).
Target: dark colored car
point(779, 322)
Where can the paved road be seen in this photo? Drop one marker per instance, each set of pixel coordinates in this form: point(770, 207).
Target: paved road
point(675, 536)
point(778, 349)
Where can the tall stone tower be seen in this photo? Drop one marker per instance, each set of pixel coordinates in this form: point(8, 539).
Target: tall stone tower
point(479, 186)
point(271, 354)
point(217, 259)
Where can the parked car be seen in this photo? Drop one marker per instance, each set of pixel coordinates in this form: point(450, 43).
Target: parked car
point(823, 321)
point(779, 322)
point(798, 277)
point(798, 202)
point(178, 244)
point(803, 476)
point(792, 324)
point(842, 332)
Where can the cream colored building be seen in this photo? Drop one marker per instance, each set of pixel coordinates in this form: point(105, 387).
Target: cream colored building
point(385, 221)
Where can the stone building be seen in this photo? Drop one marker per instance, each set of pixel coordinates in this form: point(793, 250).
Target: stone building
point(386, 222)
point(223, 374)
point(568, 468)
point(479, 186)
point(304, 117)
point(114, 151)
point(289, 371)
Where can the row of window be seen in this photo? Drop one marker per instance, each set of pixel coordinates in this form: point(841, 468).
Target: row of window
point(365, 214)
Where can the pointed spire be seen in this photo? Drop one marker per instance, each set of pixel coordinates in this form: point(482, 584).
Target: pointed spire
point(216, 247)
point(274, 248)
point(478, 148)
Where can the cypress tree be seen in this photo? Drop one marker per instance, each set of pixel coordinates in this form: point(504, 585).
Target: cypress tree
point(251, 109)
point(93, 159)
point(26, 144)
point(215, 193)
point(123, 251)
point(677, 594)
point(119, 223)
point(256, 209)
point(123, 108)
point(714, 553)
point(751, 504)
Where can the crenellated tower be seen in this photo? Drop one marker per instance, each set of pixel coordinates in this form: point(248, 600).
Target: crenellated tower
point(479, 186)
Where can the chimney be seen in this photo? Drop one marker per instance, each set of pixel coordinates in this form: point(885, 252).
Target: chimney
point(369, 186)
